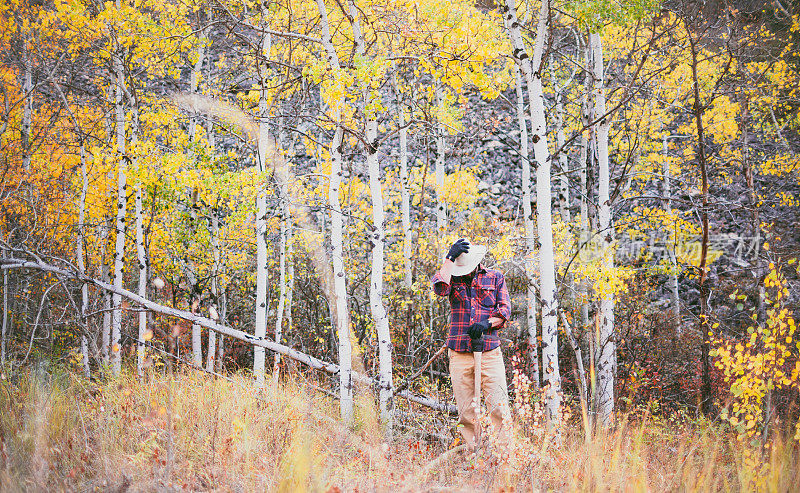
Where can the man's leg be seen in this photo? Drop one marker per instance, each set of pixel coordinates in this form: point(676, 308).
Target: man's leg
point(495, 390)
point(462, 374)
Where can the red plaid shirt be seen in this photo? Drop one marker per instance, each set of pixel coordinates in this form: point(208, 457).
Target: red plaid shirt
point(487, 296)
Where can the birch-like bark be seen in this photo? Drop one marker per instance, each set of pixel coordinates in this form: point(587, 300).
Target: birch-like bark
point(105, 275)
point(606, 344)
point(259, 356)
point(405, 185)
point(530, 240)
point(81, 264)
point(340, 313)
point(142, 291)
point(576, 349)
point(279, 312)
point(532, 71)
point(27, 107)
point(441, 207)
point(122, 192)
point(211, 354)
point(378, 239)
point(583, 291)
point(563, 181)
point(194, 82)
point(141, 257)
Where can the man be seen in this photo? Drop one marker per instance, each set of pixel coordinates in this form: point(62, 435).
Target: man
point(480, 307)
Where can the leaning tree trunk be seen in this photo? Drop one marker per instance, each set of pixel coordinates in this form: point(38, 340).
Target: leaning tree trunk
point(122, 192)
point(262, 261)
point(378, 239)
point(530, 240)
point(532, 71)
point(340, 313)
point(606, 344)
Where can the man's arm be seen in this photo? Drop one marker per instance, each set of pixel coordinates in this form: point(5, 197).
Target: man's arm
point(441, 281)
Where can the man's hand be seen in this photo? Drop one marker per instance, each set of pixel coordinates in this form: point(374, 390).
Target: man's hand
point(477, 329)
point(457, 248)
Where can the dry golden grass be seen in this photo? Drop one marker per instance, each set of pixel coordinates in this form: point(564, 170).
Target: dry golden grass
point(192, 432)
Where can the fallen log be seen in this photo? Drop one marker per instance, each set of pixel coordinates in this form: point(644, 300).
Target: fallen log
point(311, 361)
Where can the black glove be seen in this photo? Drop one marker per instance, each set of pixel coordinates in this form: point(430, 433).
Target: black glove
point(477, 329)
point(459, 247)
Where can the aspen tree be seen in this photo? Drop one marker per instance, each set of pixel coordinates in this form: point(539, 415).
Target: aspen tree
point(142, 291)
point(105, 276)
point(340, 314)
point(122, 191)
point(563, 165)
point(606, 343)
point(211, 353)
point(531, 69)
point(262, 273)
point(530, 240)
point(283, 239)
point(405, 185)
point(441, 207)
point(194, 82)
point(378, 237)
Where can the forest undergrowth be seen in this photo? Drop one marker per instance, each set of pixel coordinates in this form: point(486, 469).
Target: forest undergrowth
point(191, 432)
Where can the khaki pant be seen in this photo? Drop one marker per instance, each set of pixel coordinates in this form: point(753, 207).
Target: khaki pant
point(493, 386)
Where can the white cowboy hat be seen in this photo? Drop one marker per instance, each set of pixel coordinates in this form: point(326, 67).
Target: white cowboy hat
point(466, 262)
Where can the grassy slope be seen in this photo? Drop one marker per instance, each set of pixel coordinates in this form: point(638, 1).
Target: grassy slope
point(62, 433)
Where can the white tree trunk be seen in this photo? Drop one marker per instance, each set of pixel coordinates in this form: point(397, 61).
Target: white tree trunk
point(79, 254)
point(284, 233)
point(530, 240)
point(563, 182)
point(531, 69)
point(105, 275)
point(142, 261)
point(583, 292)
point(122, 191)
point(211, 354)
point(378, 239)
point(606, 345)
point(405, 188)
point(194, 81)
point(441, 207)
point(259, 356)
point(340, 311)
point(27, 106)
